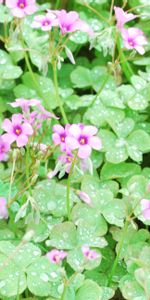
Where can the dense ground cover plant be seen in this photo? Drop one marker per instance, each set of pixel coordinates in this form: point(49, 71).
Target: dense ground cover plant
point(74, 150)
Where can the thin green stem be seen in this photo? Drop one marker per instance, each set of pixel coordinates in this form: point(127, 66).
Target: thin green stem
point(35, 81)
point(128, 72)
point(111, 10)
point(96, 12)
point(64, 292)
point(100, 89)
point(120, 245)
point(12, 175)
point(69, 186)
point(59, 102)
point(37, 87)
point(57, 5)
point(28, 167)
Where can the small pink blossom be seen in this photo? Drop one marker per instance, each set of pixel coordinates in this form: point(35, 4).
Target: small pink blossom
point(88, 253)
point(17, 130)
point(25, 103)
point(21, 8)
point(45, 22)
point(85, 197)
point(4, 149)
point(134, 39)
point(122, 17)
point(56, 256)
point(1, 1)
point(83, 138)
point(70, 22)
point(3, 208)
point(145, 204)
point(59, 135)
point(66, 160)
point(44, 114)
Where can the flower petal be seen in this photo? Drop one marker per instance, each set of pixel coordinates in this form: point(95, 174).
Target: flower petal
point(95, 142)
point(89, 130)
point(7, 126)
point(22, 140)
point(84, 151)
point(71, 143)
point(27, 129)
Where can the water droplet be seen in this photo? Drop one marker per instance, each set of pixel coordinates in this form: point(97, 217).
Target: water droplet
point(35, 253)
point(53, 275)
point(44, 277)
point(2, 284)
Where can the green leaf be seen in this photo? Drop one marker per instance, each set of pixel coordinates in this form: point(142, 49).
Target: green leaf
point(89, 291)
point(130, 288)
point(139, 139)
point(88, 217)
point(51, 197)
point(78, 262)
point(5, 14)
point(114, 212)
point(123, 129)
point(22, 257)
point(44, 278)
point(81, 77)
point(7, 69)
point(99, 114)
point(12, 279)
point(63, 236)
point(111, 171)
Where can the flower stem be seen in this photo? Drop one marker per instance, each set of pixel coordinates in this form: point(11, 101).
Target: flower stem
point(12, 175)
point(59, 102)
point(69, 186)
point(100, 89)
point(57, 5)
point(37, 87)
point(27, 167)
point(120, 245)
point(64, 292)
point(128, 72)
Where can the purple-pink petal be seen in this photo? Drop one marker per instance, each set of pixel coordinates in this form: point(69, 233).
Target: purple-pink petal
point(95, 142)
point(22, 140)
point(84, 151)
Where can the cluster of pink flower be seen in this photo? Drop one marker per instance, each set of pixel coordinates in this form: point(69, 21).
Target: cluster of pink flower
point(23, 125)
point(78, 137)
point(67, 21)
point(133, 37)
point(56, 256)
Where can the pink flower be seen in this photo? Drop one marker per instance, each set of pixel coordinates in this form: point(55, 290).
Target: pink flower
point(83, 138)
point(25, 103)
point(59, 135)
point(17, 130)
point(56, 256)
point(88, 253)
point(145, 204)
point(3, 208)
point(66, 160)
point(4, 149)
point(21, 8)
point(134, 39)
point(85, 197)
point(122, 17)
point(70, 22)
point(44, 114)
point(45, 22)
point(1, 1)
